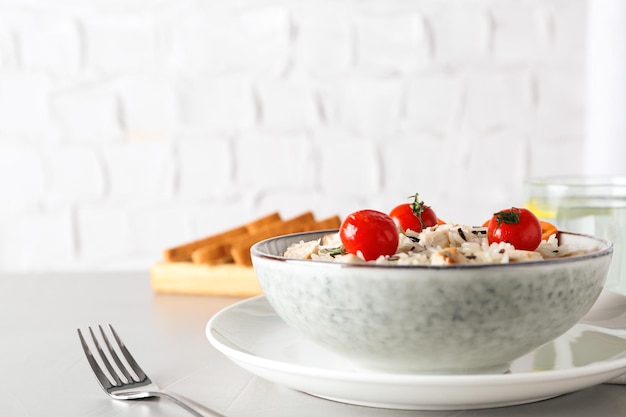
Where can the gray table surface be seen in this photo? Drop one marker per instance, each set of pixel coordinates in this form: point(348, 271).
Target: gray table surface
point(44, 371)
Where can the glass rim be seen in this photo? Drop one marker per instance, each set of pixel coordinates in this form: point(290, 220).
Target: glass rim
point(618, 181)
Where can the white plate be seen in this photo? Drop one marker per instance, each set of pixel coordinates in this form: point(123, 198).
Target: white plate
point(592, 352)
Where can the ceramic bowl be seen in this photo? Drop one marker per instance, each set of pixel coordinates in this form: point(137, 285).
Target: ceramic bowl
point(432, 319)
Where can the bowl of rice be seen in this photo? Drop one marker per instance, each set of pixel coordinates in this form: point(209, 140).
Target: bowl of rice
point(446, 303)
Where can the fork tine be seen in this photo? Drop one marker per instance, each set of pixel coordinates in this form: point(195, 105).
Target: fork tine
point(105, 360)
point(116, 358)
point(129, 358)
point(100, 375)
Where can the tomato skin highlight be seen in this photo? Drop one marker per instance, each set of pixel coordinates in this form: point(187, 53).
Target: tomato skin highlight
point(370, 232)
point(517, 226)
point(404, 218)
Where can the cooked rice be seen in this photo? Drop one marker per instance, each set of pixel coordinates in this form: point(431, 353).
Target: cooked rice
point(437, 245)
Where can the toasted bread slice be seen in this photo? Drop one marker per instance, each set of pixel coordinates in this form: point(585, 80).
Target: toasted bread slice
point(183, 252)
point(263, 222)
point(333, 222)
point(212, 254)
point(218, 252)
point(234, 245)
point(240, 250)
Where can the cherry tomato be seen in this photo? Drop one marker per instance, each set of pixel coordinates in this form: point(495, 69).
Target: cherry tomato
point(415, 216)
point(517, 226)
point(369, 232)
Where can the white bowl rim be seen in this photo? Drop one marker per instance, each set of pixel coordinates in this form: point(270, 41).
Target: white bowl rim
point(256, 252)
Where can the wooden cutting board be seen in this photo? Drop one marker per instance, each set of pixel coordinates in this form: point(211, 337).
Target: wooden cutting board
point(187, 278)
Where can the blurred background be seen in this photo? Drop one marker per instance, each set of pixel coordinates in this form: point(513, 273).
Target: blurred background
point(129, 126)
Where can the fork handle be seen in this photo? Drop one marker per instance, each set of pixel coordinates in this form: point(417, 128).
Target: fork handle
point(193, 407)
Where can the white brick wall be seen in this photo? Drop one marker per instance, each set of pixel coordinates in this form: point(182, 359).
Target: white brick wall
point(129, 126)
point(119, 43)
point(87, 114)
point(74, 174)
point(222, 104)
point(462, 34)
point(22, 177)
point(24, 103)
point(386, 45)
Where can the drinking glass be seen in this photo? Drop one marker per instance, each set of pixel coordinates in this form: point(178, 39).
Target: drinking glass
point(590, 205)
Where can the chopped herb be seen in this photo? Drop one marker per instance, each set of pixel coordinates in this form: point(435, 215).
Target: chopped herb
point(507, 217)
point(340, 250)
point(417, 207)
point(462, 234)
point(414, 239)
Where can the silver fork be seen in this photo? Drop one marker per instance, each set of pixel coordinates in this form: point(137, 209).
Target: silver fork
point(127, 381)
